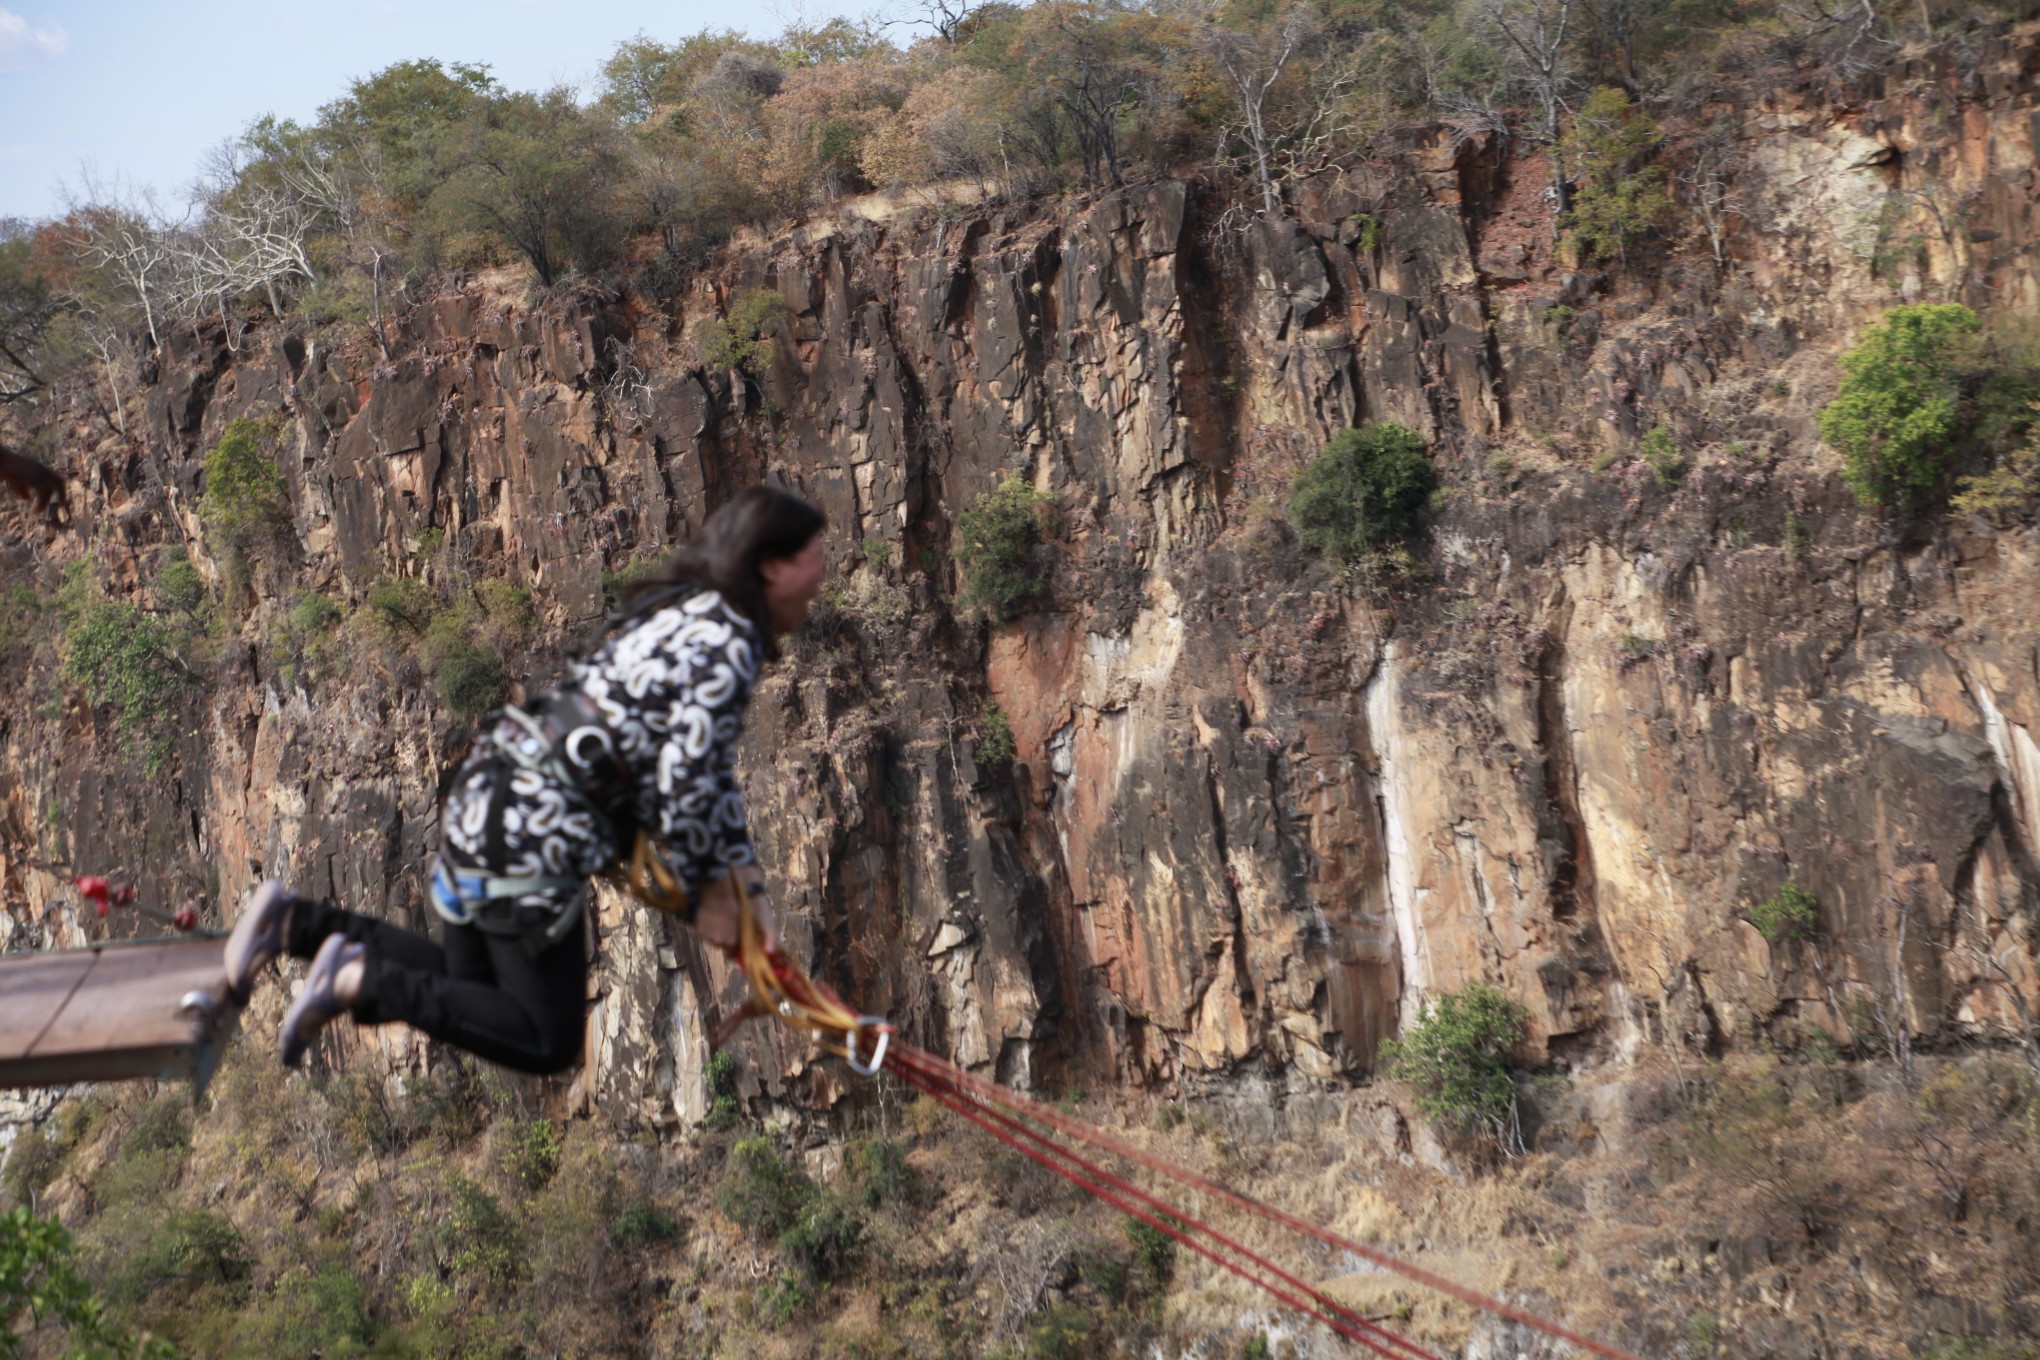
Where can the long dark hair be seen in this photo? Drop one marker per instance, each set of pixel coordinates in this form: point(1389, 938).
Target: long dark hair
point(761, 522)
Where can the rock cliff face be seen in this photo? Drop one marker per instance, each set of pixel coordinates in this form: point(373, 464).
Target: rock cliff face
point(1257, 812)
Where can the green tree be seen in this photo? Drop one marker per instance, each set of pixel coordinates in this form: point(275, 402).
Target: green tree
point(1083, 71)
point(1002, 549)
point(36, 345)
point(180, 587)
point(536, 174)
point(244, 505)
point(743, 339)
point(1367, 490)
point(39, 1280)
point(243, 487)
point(995, 742)
point(1617, 194)
point(128, 661)
point(1897, 415)
point(1456, 1058)
point(399, 121)
point(1791, 913)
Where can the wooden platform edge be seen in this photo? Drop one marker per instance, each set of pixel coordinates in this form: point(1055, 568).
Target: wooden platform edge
point(187, 1029)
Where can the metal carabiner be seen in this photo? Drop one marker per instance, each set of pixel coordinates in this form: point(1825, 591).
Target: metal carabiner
point(864, 1022)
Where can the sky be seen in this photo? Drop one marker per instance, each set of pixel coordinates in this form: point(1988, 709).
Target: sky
point(137, 91)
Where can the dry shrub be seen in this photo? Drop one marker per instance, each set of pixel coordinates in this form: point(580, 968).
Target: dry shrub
point(948, 128)
point(1750, 1132)
point(816, 128)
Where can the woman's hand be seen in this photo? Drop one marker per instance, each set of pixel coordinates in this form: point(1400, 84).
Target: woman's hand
point(717, 918)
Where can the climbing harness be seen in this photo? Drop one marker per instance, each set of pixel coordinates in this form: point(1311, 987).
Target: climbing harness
point(563, 737)
point(866, 1042)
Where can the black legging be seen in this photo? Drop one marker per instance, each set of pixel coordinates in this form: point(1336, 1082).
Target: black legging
point(480, 992)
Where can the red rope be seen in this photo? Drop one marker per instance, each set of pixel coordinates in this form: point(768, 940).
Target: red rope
point(906, 1055)
point(1172, 1221)
point(814, 1006)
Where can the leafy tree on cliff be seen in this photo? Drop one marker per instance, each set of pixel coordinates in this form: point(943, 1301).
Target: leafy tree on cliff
point(1617, 194)
point(536, 174)
point(1085, 71)
point(245, 504)
point(1456, 1057)
point(1002, 548)
point(1367, 490)
point(1897, 415)
point(28, 307)
point(398, 120)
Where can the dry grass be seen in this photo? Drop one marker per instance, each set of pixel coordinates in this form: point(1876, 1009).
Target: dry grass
point(1725, 1204)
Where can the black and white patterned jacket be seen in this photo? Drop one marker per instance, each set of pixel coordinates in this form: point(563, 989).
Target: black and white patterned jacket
point(672, 689)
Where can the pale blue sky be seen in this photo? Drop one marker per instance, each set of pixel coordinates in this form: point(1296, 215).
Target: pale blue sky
point(141, 88)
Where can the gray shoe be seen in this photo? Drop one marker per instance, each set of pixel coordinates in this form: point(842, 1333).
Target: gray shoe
point(257, 938)
point(316, 1006)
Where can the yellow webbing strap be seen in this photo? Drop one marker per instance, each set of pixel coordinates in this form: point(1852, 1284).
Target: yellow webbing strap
point(782, 989)
point(777, 986)
point(649, 880)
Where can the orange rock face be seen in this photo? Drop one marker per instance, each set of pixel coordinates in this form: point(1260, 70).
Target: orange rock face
point(1260, 805)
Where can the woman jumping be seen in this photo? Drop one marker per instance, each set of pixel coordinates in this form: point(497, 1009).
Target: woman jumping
point(626, 766)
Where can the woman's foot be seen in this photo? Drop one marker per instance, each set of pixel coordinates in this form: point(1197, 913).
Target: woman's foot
point(258, 938)
point(331, 987)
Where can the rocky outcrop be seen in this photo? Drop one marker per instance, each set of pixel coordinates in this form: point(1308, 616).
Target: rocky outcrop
point(1257, 811)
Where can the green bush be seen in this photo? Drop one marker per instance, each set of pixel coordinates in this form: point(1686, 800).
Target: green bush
point(1002, 548)
point(39, 1278)
point(616, 584)
point(470, 680)
point(1154, 1251)
point(1617, 196)
point(1791, 913)
point(741, 340)
point(995, 746)
point(817, 1233)
point(482, 1242)
point(761, 1192)
point(402, 607)
point(722, 1090)
point(1661, 451)
point(643, 1224)
point(244, 505)
point(883, 1177)
point(533, 1154)
point(824, 1240)
point(508, 606)
point(1103, 1270)
point(784, 1298)
point(468, 676)
point(1367, 490)
point(1455, 1057)
point(1061, 1332)
point(321, 1312)
point(180, 587)
point(193, 1246)
point(299, 640)
point(1897, 417)
point(129, 661)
